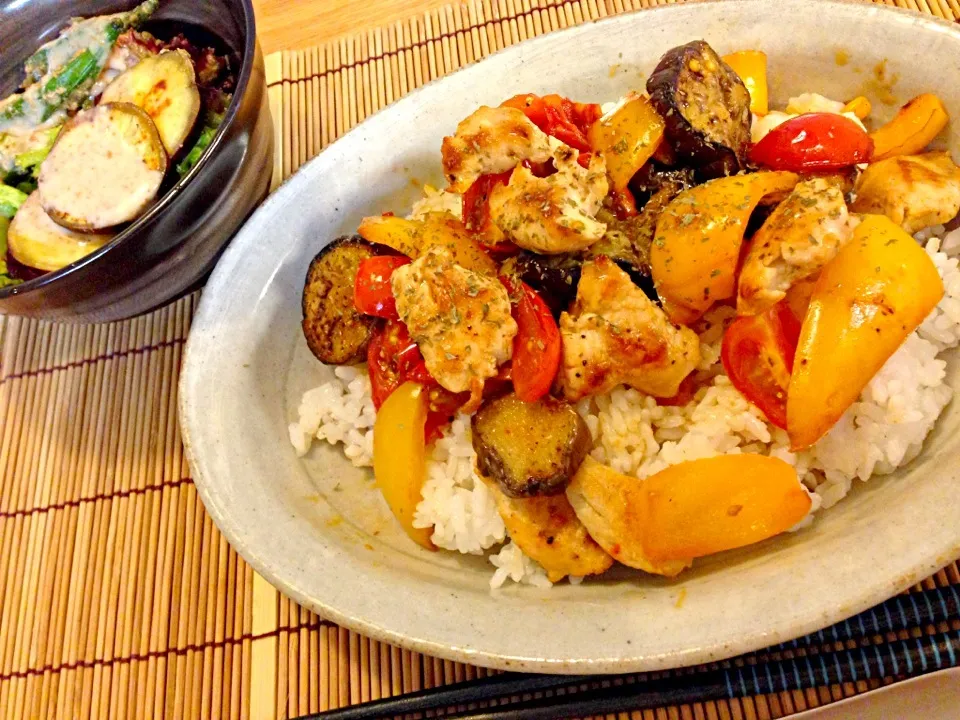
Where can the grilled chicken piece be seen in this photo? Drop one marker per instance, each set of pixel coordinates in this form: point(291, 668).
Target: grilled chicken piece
point(801, 235)
point(915, 191)
point(615, 334)
point(460, 320)
point(491, 141)
point(610, 506)
point(547, 529)
point(555, 214)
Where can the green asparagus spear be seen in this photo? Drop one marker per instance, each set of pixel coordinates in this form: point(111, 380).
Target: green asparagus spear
point(82, 33)
point(211, 124)
point(65, 87)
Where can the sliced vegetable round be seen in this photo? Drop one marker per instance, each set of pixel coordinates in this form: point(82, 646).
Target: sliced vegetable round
point(336, 332)
point(529, 448)
point(814, 142)
point(104, 170)
point(38, 242)
point(706, 108)
point(165, 87)
point(757, 354)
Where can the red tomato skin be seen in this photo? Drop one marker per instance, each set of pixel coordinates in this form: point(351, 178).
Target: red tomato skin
point(393, 359)
point(751, 345)
point(537, 346)
point(558, 116)
point(476, 200)
point(372, 291)
point(815, 141)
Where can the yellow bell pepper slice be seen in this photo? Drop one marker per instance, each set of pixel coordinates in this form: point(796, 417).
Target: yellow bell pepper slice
point(627, 138)
point(859, 106)
point(701, 507)
point(867, 300)
point(913, 128)
point(399, 456)
point(751, 66)
point(415, 237)
point(688, 510)
point(697, 244)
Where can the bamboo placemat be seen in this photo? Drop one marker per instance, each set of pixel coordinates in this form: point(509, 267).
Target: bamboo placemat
point(118, 596)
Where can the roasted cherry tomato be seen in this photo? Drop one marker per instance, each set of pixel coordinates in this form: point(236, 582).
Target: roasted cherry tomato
point(536, 347)
point(816, 141)
point(393, 359)
point(757, 354)
point(558, 116)
point(476, 201)
point(372, 291)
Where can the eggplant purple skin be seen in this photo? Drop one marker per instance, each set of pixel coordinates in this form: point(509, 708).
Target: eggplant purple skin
point(525, 463)
point(335, 331)
point(706, 108)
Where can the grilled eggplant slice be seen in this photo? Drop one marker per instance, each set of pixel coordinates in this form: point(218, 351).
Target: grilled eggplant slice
point(653, 176)
point(38, 242)
point(336, 332)
point(706, 108)
point(555, 277)
point(165, 87)
point(530, 449)
point(104, 170)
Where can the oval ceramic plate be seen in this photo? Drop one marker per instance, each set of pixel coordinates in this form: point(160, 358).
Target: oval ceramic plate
point(317, 528)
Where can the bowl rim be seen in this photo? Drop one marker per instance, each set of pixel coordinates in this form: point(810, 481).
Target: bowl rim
point(247, 62)
point(344, 617)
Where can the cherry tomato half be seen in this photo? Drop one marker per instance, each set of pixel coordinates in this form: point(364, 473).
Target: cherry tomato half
point(816, 141)
point(476, 201)
point(537, 345)
point(558, 116)
point(393, 359)
point(757, 354)
point(372, 291)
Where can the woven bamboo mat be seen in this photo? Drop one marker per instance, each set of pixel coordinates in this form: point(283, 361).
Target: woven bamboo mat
point(118, 596)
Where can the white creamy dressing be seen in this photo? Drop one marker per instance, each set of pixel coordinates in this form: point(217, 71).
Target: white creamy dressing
point(98, 173)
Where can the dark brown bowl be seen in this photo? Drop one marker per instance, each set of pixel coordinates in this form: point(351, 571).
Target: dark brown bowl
point(172, 248)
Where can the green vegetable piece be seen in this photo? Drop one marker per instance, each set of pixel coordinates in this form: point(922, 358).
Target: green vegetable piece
point(71, 38)
point(10, 201)
point(206, 136)
point(66, 87)
point(29, 161)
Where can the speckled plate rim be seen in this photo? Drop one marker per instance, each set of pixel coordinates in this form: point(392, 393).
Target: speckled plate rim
point(916, 565)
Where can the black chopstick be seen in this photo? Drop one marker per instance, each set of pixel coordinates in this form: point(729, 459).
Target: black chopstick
point(902, 612)
point(903, 658)
point(463, 693)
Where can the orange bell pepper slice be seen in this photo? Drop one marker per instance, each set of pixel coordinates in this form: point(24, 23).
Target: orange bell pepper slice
point(399, 456)
point(751, 66)
point(913, 128)
point(701, 507)
point(627, 138)
point(696, 248)
point(867, 300)
point(415, 237)
point(688, 510)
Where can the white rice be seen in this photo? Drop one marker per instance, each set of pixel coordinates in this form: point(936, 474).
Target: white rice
point(882, 431)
